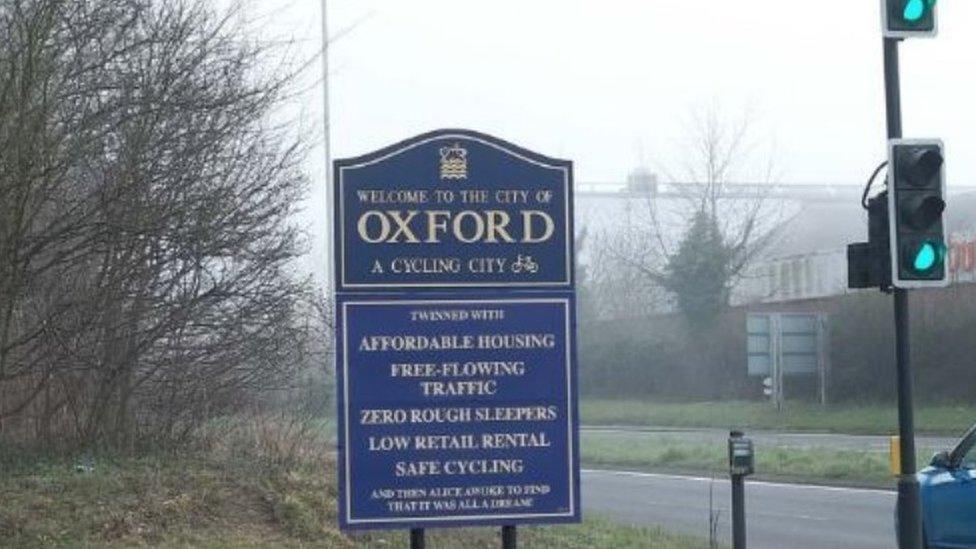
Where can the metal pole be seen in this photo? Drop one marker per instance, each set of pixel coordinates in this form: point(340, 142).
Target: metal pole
point(909, 506)
point(327, 142)
point(509, 540)
point(738, 512)
point(824, 358)
point(417, 538)
point(776, 329)
point(909, 501)
point(892, 88)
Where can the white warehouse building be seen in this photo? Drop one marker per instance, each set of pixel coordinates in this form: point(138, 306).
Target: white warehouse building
point(806, 255)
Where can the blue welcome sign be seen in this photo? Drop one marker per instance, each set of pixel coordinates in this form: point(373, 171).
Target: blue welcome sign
point(456, 324)
point(453, 209)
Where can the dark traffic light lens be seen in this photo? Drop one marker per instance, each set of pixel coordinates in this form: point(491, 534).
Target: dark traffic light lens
point(922, 165)
point(930, 210)
point(921, 213)
point(929, 164)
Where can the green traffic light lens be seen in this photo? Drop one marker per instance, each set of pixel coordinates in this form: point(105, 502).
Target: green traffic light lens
point(914, 10)
point(925, 258)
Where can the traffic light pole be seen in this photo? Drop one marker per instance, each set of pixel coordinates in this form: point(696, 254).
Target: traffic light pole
point(909, 503)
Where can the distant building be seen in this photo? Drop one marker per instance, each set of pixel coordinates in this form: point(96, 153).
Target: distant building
point(642, 180)
point(807, 255)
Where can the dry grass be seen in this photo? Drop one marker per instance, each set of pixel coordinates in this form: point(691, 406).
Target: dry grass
point(259, 481)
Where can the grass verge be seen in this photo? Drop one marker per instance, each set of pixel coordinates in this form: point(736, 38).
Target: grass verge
point(250, 484)
point(592, 534)
point(796, 417)
point(654, 452)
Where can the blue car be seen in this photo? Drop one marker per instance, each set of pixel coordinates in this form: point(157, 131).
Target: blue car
point(948, 488)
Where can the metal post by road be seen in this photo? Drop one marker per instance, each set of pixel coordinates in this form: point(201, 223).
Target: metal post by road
point(741, 464)
point(509, 540)
point(417, 538)
point(738, 512)
point(909, 506)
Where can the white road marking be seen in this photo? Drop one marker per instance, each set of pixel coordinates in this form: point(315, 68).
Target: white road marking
point(844, 489)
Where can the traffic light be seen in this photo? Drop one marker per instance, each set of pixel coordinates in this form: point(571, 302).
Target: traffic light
point(908, 18)
point(916, 202)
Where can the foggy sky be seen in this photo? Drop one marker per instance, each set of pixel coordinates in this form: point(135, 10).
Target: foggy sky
point(611, 84)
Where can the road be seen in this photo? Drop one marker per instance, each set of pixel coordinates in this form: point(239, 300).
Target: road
point(779, 515)
point(769, 439)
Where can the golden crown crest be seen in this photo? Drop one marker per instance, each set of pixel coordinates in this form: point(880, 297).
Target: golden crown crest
point(454, 162)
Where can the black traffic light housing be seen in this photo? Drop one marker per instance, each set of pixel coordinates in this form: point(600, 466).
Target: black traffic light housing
point(916, 204)
point(869, 263)
point(909, 18)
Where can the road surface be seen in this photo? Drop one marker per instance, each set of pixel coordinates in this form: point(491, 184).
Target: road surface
point(770, 439)
point(779, 515)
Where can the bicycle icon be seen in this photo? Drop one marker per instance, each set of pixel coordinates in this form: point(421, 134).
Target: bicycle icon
point(525, 263)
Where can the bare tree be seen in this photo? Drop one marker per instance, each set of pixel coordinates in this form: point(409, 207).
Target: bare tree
point(698, 243)
point(147, 280)
point(616, 285)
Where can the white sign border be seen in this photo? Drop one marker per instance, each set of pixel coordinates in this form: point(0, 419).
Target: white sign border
point(460, 518)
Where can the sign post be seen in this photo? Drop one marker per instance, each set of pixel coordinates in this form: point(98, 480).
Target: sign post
point(793, 344)
point(456, 326)
point(741, 465)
